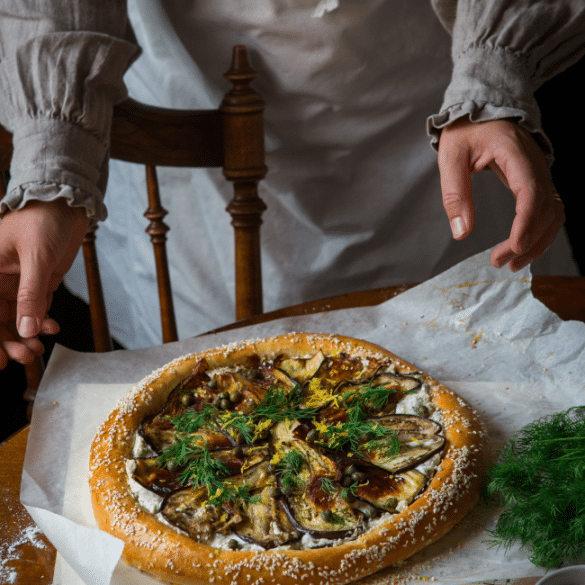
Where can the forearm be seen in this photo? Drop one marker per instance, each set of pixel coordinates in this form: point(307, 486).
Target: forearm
point(502, 52)
point(61, 72)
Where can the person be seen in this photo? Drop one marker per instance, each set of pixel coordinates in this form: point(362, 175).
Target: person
point(353, 194)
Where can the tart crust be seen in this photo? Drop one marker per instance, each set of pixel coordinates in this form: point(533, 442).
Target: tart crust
point(154, 547)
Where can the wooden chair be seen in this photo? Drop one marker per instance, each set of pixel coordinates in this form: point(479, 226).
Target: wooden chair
point(231, 137)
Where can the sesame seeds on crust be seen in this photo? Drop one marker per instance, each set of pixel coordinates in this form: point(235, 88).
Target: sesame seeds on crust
point(154, 547)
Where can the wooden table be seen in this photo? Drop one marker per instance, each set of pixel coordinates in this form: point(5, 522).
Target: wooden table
point(27, 557)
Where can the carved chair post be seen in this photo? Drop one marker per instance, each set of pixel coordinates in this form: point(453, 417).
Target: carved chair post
point(243, 127)
point(102, 339)
point(157, 230)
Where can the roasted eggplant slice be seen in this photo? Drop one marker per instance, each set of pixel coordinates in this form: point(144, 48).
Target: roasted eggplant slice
point(160, 433)
point(189, 510)
point(407, 425)
point(396, 382)
point(325, 516)
point(157, 479)
point(265, 523)
point(418, 441)
point(241, 458)
point(386, 492)
point(342, 367)
point(299, 368)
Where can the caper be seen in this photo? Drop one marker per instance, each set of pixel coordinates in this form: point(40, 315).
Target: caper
point(213, 383)
point(225, 404)
point(172, 466)
point(294, 535)
point(327, 515)
point(186, 399)
point(235, 396)
point(368, 437)
point(217, 401)
point(358, 476)
point(225, 394)
point(351, 469)
point(271, 468)
point(312, 435)
point(422, 410)
point(372, 513)
point(287, 490)
point(392, 502)
point(346, 481)
point(275, 492)
point(233, 544)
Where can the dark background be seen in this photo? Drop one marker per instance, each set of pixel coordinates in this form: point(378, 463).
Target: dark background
point(561, 103)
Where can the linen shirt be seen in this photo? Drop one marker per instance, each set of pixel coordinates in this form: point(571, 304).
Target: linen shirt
point(61, 72)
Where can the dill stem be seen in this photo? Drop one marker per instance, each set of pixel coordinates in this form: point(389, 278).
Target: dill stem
point(545, 441)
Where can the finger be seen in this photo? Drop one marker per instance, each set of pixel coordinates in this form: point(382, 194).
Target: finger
point(50, 326)
point(547, 226)
point(523, 167)
point(456, 190)
point(35, 345)
point(31, 304)
point(15, 350)
point(545, 240)
point(502, 254)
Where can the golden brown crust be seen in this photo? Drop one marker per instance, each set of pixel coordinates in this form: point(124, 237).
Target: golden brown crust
point(152, 546)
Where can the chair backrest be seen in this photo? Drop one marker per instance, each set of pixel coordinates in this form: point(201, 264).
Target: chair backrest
point(231, 137)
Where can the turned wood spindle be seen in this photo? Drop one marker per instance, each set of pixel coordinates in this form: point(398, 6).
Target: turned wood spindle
point(243, 125)
point(157, 230)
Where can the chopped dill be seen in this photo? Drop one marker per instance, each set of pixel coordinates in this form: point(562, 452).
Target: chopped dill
point(336, 519)
point(201, 469)
point(278, 405)
point(350, 490)
point(350, 435)
point(540, 479)
point(372, 397)
point(328, 486)
point(289, 468)
point(191, 421)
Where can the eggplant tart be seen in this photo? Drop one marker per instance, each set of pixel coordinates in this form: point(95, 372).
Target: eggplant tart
point(304, 458)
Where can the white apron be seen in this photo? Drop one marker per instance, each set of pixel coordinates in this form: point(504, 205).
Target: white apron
point(352, 191)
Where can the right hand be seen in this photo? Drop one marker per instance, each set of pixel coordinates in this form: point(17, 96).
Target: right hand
point(38, 244)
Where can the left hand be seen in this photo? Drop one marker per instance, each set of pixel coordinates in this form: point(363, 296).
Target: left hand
point(38, 244)
point(510, 151)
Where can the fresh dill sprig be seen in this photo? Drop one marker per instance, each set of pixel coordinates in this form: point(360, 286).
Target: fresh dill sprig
point(191, 421)
point(373, 397)
point(289, 467)
point(201, 469)
point(328, 486)
point(359, 432)
point(540, 479)
point(278, 405)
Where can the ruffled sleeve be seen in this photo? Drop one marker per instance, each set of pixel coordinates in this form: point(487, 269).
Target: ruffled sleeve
point(503, 50)
point(61, 72)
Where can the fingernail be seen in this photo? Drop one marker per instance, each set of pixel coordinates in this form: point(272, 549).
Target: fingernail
point(458, 227)
point(27, 327)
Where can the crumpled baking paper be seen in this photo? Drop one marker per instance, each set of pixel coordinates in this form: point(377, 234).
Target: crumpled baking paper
point(475, 328)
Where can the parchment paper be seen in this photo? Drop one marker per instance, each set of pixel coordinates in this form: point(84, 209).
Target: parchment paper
point(475, 328)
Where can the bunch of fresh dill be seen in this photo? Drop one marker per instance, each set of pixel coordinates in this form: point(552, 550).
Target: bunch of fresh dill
point(540, 478)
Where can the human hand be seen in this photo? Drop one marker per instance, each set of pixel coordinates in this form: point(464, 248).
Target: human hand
point(510, 151)
point(38, 244)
